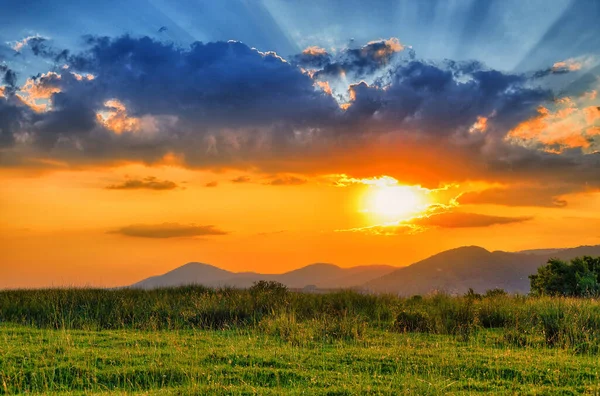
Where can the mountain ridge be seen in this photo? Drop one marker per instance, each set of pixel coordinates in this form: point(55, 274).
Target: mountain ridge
point(453, 271)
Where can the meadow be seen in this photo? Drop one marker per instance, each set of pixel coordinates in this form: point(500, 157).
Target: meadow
point(268, 340)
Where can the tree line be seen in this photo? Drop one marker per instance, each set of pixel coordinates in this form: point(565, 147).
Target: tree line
point(578, 278)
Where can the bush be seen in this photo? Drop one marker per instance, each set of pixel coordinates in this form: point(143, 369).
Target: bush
point(579, 278)
point(412, 321)
point(268, 296)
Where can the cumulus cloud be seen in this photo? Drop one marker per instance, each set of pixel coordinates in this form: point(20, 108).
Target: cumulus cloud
point(20, 44)
point(148, 183)
point(226, 105)
point(568, 122)
point(313, 58)
point(361, 61)
point(40, 46)
point(168, 230)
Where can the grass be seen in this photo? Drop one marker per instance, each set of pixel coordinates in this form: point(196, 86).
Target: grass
point(268, 341)
point(250, 362)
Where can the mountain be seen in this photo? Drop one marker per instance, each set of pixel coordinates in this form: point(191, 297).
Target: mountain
point(452, 271)
point(455, 271)
point(321, 275)
point(190, 273)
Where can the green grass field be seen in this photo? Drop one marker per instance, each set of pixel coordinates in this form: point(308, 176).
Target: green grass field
point(200, 341)
point(249, 362)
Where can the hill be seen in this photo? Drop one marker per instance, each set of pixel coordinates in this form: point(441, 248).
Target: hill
point(455, 271)
point(321, 275)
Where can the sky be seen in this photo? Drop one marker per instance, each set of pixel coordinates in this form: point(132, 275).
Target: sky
point(139, 135)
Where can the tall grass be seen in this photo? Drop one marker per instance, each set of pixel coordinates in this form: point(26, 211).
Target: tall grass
point(299, 317)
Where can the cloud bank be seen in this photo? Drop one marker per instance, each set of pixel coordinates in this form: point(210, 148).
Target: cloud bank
point(372, 110)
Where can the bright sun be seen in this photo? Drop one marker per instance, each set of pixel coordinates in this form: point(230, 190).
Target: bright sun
point(397, 202)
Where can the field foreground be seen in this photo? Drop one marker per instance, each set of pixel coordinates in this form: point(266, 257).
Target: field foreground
point(247, 362)
point(267, 340)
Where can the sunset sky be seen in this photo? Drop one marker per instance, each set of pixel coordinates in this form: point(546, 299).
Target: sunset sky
point(266, 135)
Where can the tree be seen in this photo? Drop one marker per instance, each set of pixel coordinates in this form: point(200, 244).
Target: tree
point(579, 278)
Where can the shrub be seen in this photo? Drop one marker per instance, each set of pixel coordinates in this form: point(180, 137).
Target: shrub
point(412, 321)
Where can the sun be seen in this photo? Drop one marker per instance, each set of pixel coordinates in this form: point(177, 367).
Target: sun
point(394, 202)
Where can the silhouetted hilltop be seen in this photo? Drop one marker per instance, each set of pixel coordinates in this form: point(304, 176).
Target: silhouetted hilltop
point(321, 275)
point(452, 271)
point(457, 270)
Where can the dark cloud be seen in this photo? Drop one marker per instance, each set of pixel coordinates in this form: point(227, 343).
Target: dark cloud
point(222, 84)
point(360, 61)
point(41, 46)
point(313, 58)
point(431, 99)
point(241, 179)
point(14, 114)
point(9, 78)
point(519, 196)
point(226, 105)
point(287, 181)
point(211, 184)
point(148, 183)
point(464, 220)
point(168, 230)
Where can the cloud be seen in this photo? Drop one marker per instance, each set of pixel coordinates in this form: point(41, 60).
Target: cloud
point(9, 77)
point(211, 184)
point(360, 61)
point(464, 220)
point(313, 58)
point(241, 179)
point(568, 122)
point(116, 119)
point(519, 196)
point(148, 183)
point(19, 45)
point(168, 230)
point(40, 46)
point(270, 233)
point(224, 105)
point(287, 181)
point(439, 217)
point(567, 66)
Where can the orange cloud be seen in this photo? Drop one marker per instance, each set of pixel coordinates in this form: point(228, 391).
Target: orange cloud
point(567, 65)
point(80, 77)
point(148, 183)
point(168, 230)
point(391, 46)
point(464, 220)
point(314, 50)
point(324, 85)
point(570, 124)
point(287, 180)
point(39, 89)
point(18, 45)
point(480, 125)
point(424, 223)
point(116, 118)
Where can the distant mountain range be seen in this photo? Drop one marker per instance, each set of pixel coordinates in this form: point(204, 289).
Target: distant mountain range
point(453, 271)
point(320, 275)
